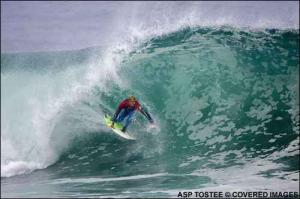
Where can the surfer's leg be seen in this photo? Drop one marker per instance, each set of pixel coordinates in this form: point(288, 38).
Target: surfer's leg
point(121, 116)
point(128, 120)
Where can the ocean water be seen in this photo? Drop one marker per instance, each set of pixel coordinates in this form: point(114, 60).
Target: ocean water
point(225, 100)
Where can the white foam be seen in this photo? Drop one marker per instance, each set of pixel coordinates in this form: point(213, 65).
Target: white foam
point(94, 180)
point(19, 167)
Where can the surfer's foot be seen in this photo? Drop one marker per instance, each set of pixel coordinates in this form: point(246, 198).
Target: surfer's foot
point(123, 129)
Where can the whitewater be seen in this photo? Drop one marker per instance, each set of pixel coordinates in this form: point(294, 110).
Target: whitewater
point(223, 91)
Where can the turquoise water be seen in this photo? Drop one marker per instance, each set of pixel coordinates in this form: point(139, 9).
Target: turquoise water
point(225, 102)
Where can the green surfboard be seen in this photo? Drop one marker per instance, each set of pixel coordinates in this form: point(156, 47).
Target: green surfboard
point(117, 128)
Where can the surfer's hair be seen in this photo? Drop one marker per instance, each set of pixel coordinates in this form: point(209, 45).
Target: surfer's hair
point(132, 98)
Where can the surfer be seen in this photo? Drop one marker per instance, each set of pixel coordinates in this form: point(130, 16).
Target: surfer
point(126, 109)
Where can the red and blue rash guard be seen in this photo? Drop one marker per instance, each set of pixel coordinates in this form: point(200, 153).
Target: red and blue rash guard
point(137, 106)
point(125, 104)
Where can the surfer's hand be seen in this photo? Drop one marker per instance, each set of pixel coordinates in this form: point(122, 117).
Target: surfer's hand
point(151, 121)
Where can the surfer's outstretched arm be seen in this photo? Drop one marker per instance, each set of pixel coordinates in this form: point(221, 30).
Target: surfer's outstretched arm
point(147, 115)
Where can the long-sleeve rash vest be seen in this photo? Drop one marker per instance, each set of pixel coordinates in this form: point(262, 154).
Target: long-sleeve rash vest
point(137, 106)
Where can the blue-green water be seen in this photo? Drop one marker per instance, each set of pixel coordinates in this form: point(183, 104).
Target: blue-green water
point(225, 102)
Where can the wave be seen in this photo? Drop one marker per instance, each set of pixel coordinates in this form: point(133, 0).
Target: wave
point(221, 96)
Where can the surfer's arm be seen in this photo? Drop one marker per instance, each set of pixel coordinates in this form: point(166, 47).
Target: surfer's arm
point(146, 114)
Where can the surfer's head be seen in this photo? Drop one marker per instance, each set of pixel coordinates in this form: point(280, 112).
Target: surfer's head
point(132, 100)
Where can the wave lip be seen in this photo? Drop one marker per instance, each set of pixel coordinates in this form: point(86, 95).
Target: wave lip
point(118, 20)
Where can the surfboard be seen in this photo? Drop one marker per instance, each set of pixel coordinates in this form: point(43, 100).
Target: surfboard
point(117, 128)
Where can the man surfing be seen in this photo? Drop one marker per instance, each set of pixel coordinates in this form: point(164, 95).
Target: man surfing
point(126, 110)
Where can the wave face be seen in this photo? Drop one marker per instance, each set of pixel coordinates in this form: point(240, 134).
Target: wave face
point(225, 102)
